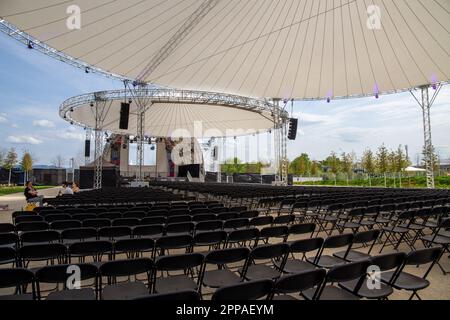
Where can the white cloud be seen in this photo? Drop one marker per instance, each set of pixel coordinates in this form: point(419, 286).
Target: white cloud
point(71, 135)
point(14, 125)
point(23, 140)
point(43, 123)
point(3, 118)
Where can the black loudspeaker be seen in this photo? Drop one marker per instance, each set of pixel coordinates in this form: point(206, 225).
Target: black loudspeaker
point(87, 148)
point(124, 115)
point(292, 131)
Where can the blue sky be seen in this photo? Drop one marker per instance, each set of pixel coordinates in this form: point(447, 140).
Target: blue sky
point(32, 87)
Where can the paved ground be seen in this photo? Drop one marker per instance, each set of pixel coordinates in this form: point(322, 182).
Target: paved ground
point(16, 201)
point(438, 290)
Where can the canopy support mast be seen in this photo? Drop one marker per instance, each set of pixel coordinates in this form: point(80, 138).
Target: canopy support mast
point(425, 104)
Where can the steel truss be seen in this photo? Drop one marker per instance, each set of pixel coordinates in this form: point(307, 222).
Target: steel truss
point(425, 104)
point(99, 110)
point(142, 94)
point(179, 36)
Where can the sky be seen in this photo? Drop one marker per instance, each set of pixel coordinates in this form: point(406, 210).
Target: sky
point(33, 86)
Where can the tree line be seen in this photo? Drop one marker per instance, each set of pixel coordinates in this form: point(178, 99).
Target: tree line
point(381, 161)
point(10, 159)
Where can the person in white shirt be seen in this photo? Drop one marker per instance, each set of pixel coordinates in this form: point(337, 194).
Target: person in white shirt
point(65, 189)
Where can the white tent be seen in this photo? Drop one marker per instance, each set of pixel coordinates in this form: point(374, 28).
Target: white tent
point(302, 49)
point(414, 169)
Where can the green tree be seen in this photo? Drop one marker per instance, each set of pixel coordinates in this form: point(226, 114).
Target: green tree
point(333, 163)
point(315, 168)
point(9, 162)
point(382, 161)
point(26, 164)
point(300, 165)
point(347, 163)
point(399, 160)
point(368, 161)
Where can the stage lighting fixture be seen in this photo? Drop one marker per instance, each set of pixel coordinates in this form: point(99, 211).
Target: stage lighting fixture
point(30, 45)
point(87, 70)
point(91, 104)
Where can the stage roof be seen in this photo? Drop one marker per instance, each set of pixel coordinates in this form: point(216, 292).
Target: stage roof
point(302, 49)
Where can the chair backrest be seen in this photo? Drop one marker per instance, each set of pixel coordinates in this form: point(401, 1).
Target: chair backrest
point(126, 222)
point(338, 241)
point(154, 220)
point(179, 261)
point(423, 256)
point(274, 232)
point(299, 281)
point(7, 255)
point(148, 230)
point(209, 225)
point(249, 214)
point(97, 223)
point(305, 245)
point(204, 217)
point(250, 290)
point(284, 219)
point(366, 236)
point(179, 219)
point(209, 238)
point(388, 261)
point(134, 245)
point(261, 221)
point(88, 248)
point(226, 256)
point(39, 236)
point(269, 251)
point(29, 226)
point(302, 228)
point(114, 232)
point(60, 273)
point(128, 267)
point(236, 223)
point(347, 272)
point(65, 224)
point(174, 242)
point(16, 277)
point(184, 227)
point(243, 235)
point(40, 252)
point(79, 233)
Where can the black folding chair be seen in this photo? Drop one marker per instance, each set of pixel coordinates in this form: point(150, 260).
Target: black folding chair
point(440, 239)
point(49, 252)
point(243, 238)
point(403, 280)
point(221, 259)
point(341, 273)
point(95, 249)
point(301, 247)
point(61, 275)
point(190, 266)
point(272, 252)
point(373, 287)
point(124, 268)
point(364, 238)
point(19, 279)
point(332, 242)
point(296, 283)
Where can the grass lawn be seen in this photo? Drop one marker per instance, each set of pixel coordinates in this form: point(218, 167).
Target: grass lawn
point(411, 182)
point(9, 190)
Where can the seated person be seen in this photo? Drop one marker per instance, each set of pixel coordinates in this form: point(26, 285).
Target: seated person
point(31, 194)
point(65, 189)
point(75, 187)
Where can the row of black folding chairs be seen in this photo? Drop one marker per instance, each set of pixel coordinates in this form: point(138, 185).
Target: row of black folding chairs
point(368, 217)
point(167, 237)
point(53, 216)
point(347, 281)
point(144, 207)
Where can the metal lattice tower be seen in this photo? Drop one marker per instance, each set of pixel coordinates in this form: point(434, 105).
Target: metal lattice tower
point(99, 111)
point(425, 104)
point(284, 159)
point(190, 23)
point(428, 145)
point(140, 141)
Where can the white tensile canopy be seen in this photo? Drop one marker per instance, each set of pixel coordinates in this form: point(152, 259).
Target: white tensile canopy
point(414, 169)
point(301, 49)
